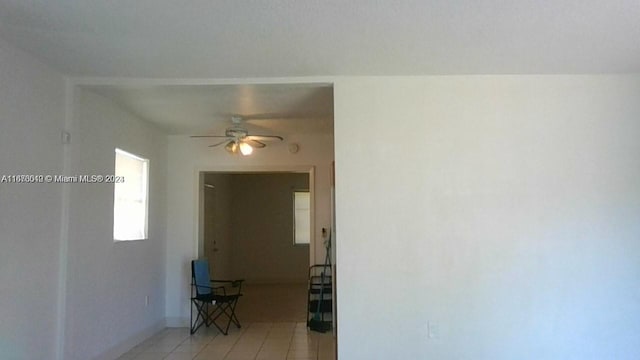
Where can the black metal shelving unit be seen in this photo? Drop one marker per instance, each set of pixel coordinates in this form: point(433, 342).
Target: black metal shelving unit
point(320, 293)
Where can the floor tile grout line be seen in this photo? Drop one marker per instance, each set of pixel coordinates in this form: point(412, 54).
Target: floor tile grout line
point(242, 332)
point(238, 339)
point(270, 329)
point(201, 350)
point(217, 335)
point(263, 340)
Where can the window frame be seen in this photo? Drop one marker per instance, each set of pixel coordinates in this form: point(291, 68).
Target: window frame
point(293, 196)
point(144, 192)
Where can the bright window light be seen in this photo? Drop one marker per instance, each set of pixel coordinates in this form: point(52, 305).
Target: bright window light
point(302, 217)
point(130, 205)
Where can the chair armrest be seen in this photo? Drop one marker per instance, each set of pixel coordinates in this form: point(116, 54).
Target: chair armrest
point(234, 283)
point(213, 289)
point(208, 287)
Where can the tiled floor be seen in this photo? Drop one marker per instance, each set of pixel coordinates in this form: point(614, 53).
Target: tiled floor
point(256, 341)
point(273, 318)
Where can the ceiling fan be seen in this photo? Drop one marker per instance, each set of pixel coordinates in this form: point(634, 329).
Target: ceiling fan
point(238, 140)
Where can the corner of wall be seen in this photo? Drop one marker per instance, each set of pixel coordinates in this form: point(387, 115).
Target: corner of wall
point(126, 345)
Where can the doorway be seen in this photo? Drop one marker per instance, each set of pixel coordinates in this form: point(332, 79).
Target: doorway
point(248, 232)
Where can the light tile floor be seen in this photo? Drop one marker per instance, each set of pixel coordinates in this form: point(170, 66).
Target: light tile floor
point(256, 341)
point(273, 318)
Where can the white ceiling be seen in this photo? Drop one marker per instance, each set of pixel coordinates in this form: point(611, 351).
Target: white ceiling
point(277, 38)
point(266, 109)
point(280, 38)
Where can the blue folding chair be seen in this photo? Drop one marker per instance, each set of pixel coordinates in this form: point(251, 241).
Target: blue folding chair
point(213, 300)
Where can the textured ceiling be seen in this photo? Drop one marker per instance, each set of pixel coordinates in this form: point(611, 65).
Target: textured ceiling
point(275, 38)
point(268, 109)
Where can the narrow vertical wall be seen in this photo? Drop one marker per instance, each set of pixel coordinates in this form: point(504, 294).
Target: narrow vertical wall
point(31, 119)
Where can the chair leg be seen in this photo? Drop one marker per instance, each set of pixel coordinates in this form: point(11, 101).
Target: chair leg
point(233, 316)
point(217, 312)
point(229, 310)
point(202, 318)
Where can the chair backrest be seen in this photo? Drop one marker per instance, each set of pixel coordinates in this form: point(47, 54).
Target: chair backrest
point(200, 276)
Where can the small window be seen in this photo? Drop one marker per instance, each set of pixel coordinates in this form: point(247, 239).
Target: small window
point(130, 197)
point(301, 217)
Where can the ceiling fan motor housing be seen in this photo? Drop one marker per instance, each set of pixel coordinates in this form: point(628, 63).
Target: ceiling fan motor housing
point(236, 132)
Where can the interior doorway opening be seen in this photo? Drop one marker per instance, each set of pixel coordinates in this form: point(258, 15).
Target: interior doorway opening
point(248, 232)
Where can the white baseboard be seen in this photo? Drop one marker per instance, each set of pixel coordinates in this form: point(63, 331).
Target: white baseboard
point(129, 343)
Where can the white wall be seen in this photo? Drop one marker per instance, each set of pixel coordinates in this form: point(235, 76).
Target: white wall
point(31, 118)
point(503, 209)
point(108, 282)
point(187, 157)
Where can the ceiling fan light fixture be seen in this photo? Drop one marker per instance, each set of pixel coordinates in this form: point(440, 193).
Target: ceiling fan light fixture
point(231, 147)
point(245, 149)
point(238, 140)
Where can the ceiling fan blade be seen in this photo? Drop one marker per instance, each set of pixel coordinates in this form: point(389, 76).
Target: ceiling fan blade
point(219, 143)
point(211, 136)
point(258, 116)
point(265, 137)
point(254, 143)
